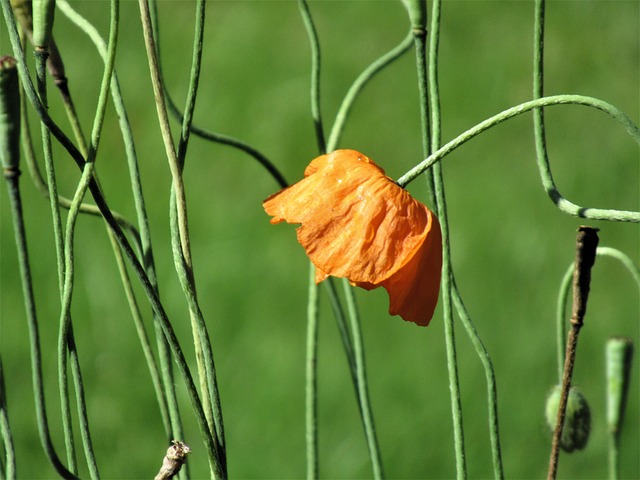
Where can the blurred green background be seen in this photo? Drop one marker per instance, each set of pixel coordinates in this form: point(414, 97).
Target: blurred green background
point(510, 245)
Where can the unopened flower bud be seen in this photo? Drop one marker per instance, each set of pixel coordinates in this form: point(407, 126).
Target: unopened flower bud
point(577, 420)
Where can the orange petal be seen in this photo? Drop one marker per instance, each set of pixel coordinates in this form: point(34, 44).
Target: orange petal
point(355, 222)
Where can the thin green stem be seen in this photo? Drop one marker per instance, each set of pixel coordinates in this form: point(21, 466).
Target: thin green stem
point(359, 84)
point(492, 388)
point(66, 338)
point(166, 396)
point(315, 74)
point(561, 308)
point(41, 59)
point(182, 258)
point(9, 467)
point(429, 95)
point(115, 227)
point(311, 417)
point(32, 322)
point(562, 203)
point(363, 392)
point(345, 336)
point(563, 297)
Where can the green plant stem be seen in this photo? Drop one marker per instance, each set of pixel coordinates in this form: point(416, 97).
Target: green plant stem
point(315, 74)
point(363, 392)
point(312, 301)
point(492, 388)
point(40, 61)
point(345, 335)
point(165, 391)
point(32, 322)
point(562, 203)
point(182, 258)
point(429, 93)
point(311, 390)
point(561, 338)
point(115, 227)
point(66, 333)
point(359, 84)
point(565, 289)
point(8, 470)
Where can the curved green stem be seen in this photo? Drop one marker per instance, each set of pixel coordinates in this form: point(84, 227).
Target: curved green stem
point(562, 203)
point(115, 227)
point(315, 74)
point(359, 84)
point(565, 289)
point(165, 390)
point(180, 229)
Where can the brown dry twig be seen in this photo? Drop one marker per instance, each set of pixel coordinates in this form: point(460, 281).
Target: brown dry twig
point(174, 459)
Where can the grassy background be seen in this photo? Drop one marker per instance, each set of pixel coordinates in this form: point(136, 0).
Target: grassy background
point(510, 245)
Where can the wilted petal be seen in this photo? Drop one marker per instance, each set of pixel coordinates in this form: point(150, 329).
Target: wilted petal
point(355, 222)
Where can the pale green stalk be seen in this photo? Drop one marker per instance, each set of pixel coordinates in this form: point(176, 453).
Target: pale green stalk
point(311, 391)
point(40, 67)
point(8, 466)
point(429, 97)
point(113, 224)
point(66, 332)
point(164, 385)
point(562, 203)
point(180, 229)
point(359, 84)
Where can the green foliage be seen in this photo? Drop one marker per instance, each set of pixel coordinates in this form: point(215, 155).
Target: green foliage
point(510, 244)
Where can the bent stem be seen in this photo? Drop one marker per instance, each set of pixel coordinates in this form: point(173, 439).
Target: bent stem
point(562, 203)
point(165, 389)
point(100, 201)
point(182, 249)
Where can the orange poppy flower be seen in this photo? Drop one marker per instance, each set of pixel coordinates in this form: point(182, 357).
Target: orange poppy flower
point(356, 222)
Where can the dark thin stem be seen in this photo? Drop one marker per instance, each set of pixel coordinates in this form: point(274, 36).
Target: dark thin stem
point(586, 245)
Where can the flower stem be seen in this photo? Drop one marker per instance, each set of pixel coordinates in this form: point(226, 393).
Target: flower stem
point(562, 203)
point(429, 94)
point(586, 244)
point(312, 377)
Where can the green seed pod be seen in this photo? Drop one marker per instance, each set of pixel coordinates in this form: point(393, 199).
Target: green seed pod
point(417, 13)
point(9, 114)
point(43, 12)
point(619, 353)
point(577, 420)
